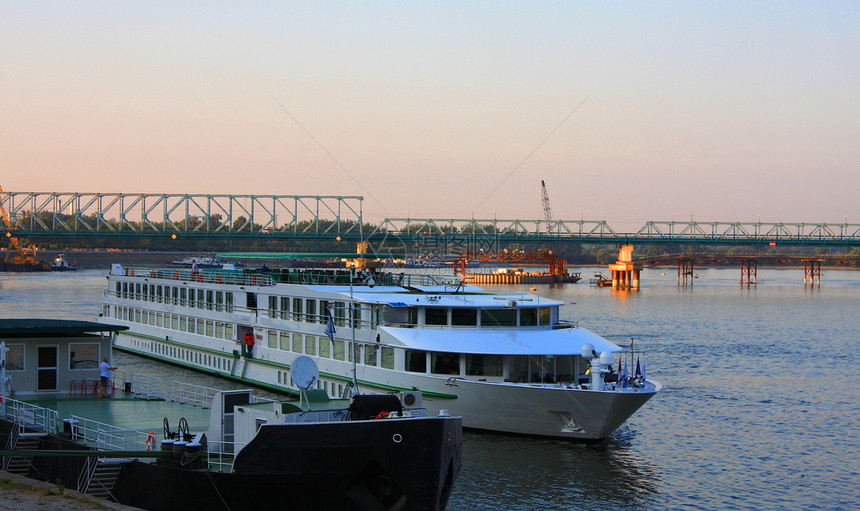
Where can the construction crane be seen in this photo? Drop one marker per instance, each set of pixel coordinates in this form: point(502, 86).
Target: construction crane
point(15, 253)
point(547, 209)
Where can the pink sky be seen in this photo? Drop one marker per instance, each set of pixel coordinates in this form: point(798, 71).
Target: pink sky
point(725, 111)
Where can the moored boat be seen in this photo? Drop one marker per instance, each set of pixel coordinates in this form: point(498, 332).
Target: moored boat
point(60, 263)
point(506, 363)
point(369, 452)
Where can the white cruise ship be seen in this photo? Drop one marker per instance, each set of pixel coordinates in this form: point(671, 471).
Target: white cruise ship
point(505, 363)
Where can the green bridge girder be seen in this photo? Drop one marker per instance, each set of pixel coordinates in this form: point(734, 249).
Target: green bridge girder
point(314, 217)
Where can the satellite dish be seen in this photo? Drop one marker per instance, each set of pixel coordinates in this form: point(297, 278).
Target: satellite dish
point(304, 372)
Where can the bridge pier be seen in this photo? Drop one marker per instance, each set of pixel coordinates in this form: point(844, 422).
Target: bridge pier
point(685, 272)
point(811, 271)
point(749, 272)
point(625, 273)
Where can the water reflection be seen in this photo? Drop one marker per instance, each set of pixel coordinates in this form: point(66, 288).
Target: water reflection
point(507, 472)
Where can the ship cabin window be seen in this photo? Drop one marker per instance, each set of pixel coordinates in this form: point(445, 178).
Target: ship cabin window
point(297, 343)
point(182, 323)
point(435, 316)
point(325, 348)
point(219, 330)
point(272, 339)
point(387, 357)
point(159, 294)
point(137, 291)
point(416, 361)
point(499, 317)
point(124, 289)
point(310, 310)
point(444, 363)
point(118, 290)
point(545, 316)
point(183, 295)
point(297, 309)
point(370, 354)
point(273, 306)
point(338, 348)
point(201, 325)
point(284, 341)
point(339, 313)
point(310, 345)
point(191, 294)
point(484, 365)
point(285, 308)
point(464, 317)
point(543, 368)
point(145, 293)
point(151, 293)
point(15, 357)
point(528, 317)
point(229, 302)
point(83, 356)
point(374, 317)
point(201, 298)
point(395, 315)
point(219, 301)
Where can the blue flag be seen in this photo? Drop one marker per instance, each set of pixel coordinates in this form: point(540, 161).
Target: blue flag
point(638, 369)
point(329, 327)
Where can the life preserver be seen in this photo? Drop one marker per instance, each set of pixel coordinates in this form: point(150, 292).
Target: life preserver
point(150, 441)
point(382, 415)
point(153, 273)
point(176, 275)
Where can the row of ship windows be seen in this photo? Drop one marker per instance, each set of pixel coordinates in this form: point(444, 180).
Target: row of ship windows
point(333, 390)
point(175, 295)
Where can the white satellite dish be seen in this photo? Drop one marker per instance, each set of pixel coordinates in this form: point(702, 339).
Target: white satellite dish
point(304, 372)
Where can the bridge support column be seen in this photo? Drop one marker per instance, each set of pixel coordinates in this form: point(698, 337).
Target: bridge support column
point(749, 272)
point(625, 273)
point(811, 272)
point(685, 272)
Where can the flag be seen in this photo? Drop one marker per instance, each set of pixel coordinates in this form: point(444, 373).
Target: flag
point(638, 369)
point(329, 327)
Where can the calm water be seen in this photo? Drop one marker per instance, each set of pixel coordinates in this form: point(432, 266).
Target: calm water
point(761, 407)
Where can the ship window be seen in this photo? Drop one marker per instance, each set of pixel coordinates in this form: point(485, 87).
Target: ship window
point(219, 330)
point(297, 343)
point(158, 319)
point(297, 309)
point(285, 307)
point(137, 315)
point(310, 310)
point(444, 363)
point(484, 365)
point(210, 330)
point(182, 323)
point(159, 293)
point(464, 317)
point(191, 294)
point(370, 355)
point(284, 343)
point(374, 317)
point(340, 313)
point(387, 357)
point(528, 317)
point(201, 325)
point(498, 317)
point(83, 356)
point(533, 368)
point(182, 296)
point(338, 350)
point(325, 348)
point(201, 298)
point(310, 345)
point(151, 318)
point(137, 291)
point(145, 292)
point(413, 316)
point(545, 316)
point(151, 293)
point(174, 322)
point(416, 361)
point(435, 316)
point(272, 339)
point(124, 289)
point(273, 306)
point(229, 301)
point(219, 301)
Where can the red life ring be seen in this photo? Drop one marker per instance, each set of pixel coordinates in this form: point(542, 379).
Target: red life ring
point(382, 415)
point(150, 441)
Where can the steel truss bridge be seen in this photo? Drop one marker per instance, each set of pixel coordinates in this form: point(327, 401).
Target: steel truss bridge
point(309, 217)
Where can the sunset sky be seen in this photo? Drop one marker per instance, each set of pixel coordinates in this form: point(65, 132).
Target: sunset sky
point(630, 111)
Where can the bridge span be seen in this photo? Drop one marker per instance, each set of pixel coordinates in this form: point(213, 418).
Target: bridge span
point(310, 217)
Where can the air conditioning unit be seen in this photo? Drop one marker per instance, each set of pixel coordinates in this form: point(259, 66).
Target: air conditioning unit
point(411, 399)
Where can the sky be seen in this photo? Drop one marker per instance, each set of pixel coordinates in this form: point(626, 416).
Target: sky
point(629, 111)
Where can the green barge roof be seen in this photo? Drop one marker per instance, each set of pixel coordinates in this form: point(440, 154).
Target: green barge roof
point(29, 327)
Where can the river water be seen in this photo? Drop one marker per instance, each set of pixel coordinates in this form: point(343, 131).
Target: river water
point(760, 408)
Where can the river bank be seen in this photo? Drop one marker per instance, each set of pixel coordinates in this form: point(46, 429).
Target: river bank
point(18, 492)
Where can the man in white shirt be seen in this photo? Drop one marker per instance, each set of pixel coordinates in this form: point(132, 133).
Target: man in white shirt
point(104, 375)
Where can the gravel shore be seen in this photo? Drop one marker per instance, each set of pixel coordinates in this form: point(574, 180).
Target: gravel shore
point(18, 493)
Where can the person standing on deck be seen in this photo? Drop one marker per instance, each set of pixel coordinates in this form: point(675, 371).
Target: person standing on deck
point(249, 343)
point(104, 376)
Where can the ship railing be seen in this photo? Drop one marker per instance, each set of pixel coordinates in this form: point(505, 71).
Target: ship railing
point(42, 420)
point(154, 388)
point(106, 437)
point(220, 455)
point(210, 276)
